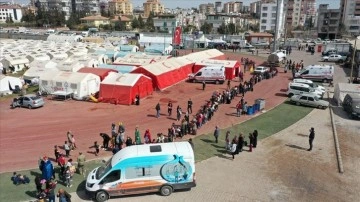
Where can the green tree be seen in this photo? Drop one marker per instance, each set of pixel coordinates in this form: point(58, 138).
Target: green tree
point(150, 22)
point(135, 23)
point(342, 29)
point(222, 29)
point(232, 29)
point(119, 25)
point(141, 21)
point(206, 28)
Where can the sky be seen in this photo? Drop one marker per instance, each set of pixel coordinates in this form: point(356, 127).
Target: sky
point(196, 3)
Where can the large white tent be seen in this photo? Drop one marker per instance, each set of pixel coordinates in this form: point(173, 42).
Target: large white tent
point(37, 68)
point(80, 85)
point(38, 56)
point(8, 83)
point(70, 65)
point(64, 38)
point(17, 63)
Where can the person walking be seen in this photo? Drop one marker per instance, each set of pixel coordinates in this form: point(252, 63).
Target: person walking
point(203, 85)
point(255, 135)
point(170, 105)
point(189, 106)
point(311, 138)
point(157, 108)
point(81, 163)
point(67, 149)
point(216, 133)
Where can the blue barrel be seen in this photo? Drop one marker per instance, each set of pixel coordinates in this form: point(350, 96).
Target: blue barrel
point(255, 109)
point(250, 110)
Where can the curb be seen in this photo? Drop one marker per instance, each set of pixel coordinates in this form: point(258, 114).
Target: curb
point(336, 140)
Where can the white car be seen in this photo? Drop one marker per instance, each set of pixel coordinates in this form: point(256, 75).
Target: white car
point(334, 58)
point(261, 70)
point(309, 100)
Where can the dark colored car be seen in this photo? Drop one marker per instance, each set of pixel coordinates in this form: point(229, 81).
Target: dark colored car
point(351, 105)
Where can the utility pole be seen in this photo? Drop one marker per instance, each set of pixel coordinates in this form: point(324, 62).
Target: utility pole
point(276, 26)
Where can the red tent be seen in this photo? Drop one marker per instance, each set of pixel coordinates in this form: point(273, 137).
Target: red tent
point(167, 73)
point(120, 88)
point(101, 72)
point(232, 67)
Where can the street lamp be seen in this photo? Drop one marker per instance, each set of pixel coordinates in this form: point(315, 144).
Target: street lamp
point(353, 60)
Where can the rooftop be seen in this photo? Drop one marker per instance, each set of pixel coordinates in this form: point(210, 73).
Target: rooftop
point(94, 18)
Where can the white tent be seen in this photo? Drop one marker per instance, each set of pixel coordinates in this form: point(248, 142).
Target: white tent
point(87, 61)
point(39, 57)
point(202, 42)
point(341, 89)
point(8, 83)
point(70, 65)
point(37, 68)
point(101, 58)
point(57, 54)
point(18, 63)
point(153, 40)
point(79, 84)
point(64, 38)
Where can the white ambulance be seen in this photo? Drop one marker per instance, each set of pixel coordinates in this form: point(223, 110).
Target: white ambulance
point(215, 74)
point(322, 73)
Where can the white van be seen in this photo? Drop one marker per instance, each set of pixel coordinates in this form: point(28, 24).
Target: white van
point(322, 73)
point(137, 169)
point(311, 84)
point(299, 88)
point(209, 74)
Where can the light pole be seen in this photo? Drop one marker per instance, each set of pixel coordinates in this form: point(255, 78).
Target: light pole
point(353, 60)
point(276, 19)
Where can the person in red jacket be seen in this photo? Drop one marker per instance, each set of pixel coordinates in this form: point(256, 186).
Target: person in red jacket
point(147, 137)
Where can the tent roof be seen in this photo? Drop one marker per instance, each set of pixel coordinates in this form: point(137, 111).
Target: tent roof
point(61, 76)
point(119, 68)
point(206, 54)
point(128, 79)
point(17, 60)
point(130, 61)
point(97, 71)
point(225, 63)
point(168, 65)
point(155, 40)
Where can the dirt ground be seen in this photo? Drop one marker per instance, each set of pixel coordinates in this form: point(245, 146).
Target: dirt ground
point(28, 134)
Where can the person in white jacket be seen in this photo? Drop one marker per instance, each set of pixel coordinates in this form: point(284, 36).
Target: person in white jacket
point(233, 150)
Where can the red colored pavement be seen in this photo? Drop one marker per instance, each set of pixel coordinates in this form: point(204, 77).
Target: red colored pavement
point(28, 134)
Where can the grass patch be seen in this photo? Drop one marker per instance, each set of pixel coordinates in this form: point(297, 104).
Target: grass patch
point(25, 192)
point(267, 124)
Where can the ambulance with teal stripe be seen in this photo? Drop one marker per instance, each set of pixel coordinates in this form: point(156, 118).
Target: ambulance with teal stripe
point(139, 169)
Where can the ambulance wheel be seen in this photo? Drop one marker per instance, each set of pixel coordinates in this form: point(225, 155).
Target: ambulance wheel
point(325, 80)
point(102, 196)
point(166, 190)
point(217, 82)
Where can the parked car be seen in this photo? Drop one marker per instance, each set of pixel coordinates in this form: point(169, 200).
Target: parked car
point(329, 52)
point(261, 70)
point(334, 58)
point(310, 100)
point(351, 105)
point(30, 101)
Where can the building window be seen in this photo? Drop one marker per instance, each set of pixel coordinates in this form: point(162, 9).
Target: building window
point(265, 8)
point(264, 15)
point(263, 21)
point(263, 27)
point(273, 15)
point(274, 8)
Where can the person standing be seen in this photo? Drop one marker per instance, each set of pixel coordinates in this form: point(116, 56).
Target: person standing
point(178, 113)
point(69, 137)
point(147, 137)
point(121, 132)
point(106, 139)
point(81, 163)
point(227, 141)
point(229, 84)
point(251, 140)
point(73, 142)
point(63, 196)
point(233, 149)
point(67, 149)
point(170, 105)
point(238, 109)
point(216, 133)
point(189, 106)
point(203, 85)
point(157, 108)
point(311, 138)
point(57, 153)
point(240, 142)
point(137, 136)
point(255, 136)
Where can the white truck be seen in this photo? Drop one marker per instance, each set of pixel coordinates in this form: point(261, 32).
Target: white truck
point(322, 73)
point(137, 169)
point(215, 74)
point(277, 57)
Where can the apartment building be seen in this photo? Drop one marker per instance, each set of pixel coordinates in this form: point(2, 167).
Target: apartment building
point(255, 8)
point(124, 7)
point(327, 22)
point(350, 15)
point(233, 7)
point(207, 8)
point(216, 20)
point(154, 6)
point(166, 22)
point(299, 12)
point(218, 7)
point(13, 12)
point(272, 18)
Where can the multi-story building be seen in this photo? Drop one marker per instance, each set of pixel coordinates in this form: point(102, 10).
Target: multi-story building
point(299, 12)
point(218, 7)
point(153, 6)
point(12, 12)
point(272, 18)
point(350, 15)
point(207, 8)
point(124, 7)
point(233, 7)
point(255, 8)
point(327, 22)
point(166, 22)
point(216, 20)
